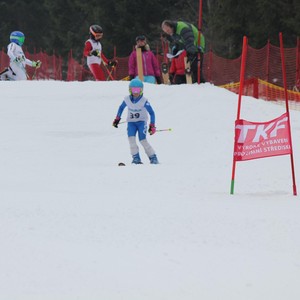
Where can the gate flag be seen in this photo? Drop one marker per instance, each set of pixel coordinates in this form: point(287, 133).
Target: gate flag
point(257, 140)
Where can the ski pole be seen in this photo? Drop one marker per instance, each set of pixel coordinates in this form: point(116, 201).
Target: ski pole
point(34, 73)
point(109, 73)
point(166, 129)
point(157, 130)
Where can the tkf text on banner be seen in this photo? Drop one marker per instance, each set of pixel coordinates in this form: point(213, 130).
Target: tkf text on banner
point(257, 140)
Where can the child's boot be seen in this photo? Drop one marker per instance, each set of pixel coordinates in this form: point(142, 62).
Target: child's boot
point(153, 159)
point(136, 159)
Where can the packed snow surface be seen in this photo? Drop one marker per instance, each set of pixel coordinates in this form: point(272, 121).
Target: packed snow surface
point(75, 225)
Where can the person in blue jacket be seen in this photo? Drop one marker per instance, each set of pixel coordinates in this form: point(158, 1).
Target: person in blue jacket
point(137, 117)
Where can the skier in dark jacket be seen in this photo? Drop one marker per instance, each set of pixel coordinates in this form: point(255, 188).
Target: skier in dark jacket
point(183, 35)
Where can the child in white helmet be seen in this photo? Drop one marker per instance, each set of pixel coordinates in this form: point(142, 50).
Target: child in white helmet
point(138, 110)
point(18, 61)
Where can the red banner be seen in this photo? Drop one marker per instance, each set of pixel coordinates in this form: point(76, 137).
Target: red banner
point(256, 140)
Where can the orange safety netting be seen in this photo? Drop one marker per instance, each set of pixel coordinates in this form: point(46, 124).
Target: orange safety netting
point(263, 70)
point(261, 89)
point(262, 63)
point(258, 88)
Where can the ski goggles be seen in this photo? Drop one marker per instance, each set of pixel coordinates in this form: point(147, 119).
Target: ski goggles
point(21, 40)
point(136, 90)
point(96, 34)
point(140, 38)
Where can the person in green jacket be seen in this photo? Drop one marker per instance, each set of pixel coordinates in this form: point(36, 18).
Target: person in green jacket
point(184, 35)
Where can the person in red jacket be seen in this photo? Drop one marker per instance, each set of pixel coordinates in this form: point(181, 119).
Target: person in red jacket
point(93, 52)
point(177, 69)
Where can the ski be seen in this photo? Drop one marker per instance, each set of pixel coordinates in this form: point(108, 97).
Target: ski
point(188, 71)
point(139, 61)
point(121, 164)
point(165, 72)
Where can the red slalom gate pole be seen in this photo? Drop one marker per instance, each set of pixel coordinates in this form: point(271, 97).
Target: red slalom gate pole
point(199, 41)
point(242, 78)
point(287, 111)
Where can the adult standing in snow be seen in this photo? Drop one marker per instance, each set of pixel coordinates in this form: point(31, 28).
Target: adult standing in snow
point(137, 116)
point(93, 52)
point(184, 35)
point(151, 70)
point(18, 61)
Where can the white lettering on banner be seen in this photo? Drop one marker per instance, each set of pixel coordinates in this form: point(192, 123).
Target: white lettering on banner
point(276, 148)
point(261, 130)
point(244, 131)
point(251, 152)
point(248, 147)
point(278, 126)
point(256, 140)
point(277, 141)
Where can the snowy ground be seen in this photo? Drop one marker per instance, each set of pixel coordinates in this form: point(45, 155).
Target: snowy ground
point(74, 225)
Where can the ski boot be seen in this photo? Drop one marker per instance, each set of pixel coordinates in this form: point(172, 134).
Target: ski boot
point(136, 159)
point(153, 159)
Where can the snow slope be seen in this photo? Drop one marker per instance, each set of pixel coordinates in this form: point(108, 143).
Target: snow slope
point(74, 225)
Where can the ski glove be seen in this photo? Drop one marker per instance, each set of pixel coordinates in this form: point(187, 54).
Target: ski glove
point(116, 122)
point(36, 64)
point(95, 52)
point(112, 63)
point(152, 129)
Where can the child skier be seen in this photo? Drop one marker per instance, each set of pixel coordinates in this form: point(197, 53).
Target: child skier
point(94, 55)
point(138, 109)
point(18, 61)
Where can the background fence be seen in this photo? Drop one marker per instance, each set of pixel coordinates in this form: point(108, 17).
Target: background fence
point(263, 70)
